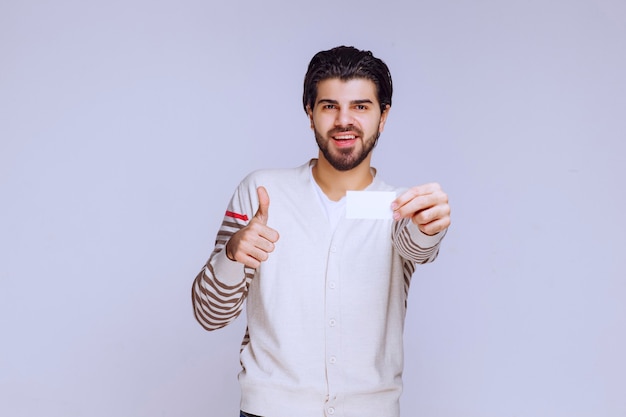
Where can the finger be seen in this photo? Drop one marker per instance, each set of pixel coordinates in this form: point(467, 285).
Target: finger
point(264, 205)
point(415, 192)
point(259, 228)
point(412, 207)
point(265, 244)
point(424, 217)
point(269, 234)
point(250, 262)
point(435, 227)
point(252, 255)
point(419, 204)
point(259, 254)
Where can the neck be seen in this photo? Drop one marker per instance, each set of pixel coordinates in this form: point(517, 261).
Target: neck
point(335, 183)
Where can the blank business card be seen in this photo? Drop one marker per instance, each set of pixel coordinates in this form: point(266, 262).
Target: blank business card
point(369, 204)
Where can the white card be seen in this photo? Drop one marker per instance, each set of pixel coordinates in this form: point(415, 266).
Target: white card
point(369, 204)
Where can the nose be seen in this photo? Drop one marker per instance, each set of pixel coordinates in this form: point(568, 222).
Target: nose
point(344, 117)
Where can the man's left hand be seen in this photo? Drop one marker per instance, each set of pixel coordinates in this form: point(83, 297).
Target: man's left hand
point(426, 205)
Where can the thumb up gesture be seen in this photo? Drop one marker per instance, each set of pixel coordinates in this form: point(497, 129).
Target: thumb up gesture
point(253, 244)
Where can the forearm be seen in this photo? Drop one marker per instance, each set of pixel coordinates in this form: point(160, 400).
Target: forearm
point(414, 245)
point(220, 288)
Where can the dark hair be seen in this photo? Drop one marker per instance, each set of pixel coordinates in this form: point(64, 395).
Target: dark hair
point(346, 63)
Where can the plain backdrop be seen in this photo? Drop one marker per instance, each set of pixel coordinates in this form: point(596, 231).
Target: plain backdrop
point(126, 125)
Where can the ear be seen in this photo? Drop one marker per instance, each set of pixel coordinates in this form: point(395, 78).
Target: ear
point(309, 112)
point(383, 118)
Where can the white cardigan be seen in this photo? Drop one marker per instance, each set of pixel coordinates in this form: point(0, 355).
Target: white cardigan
point(325, 312)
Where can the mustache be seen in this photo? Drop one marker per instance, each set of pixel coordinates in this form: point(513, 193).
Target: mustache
point(342, 129)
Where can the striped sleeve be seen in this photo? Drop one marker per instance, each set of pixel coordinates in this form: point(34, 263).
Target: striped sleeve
point(413, 245)
point(415, 248)
point(220, 289)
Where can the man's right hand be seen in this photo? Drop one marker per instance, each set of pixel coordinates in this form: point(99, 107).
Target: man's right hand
point(253, 244)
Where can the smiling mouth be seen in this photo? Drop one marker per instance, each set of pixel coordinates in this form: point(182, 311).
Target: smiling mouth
point(344, 137)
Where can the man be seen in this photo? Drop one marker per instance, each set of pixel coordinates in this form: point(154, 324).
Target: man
point(326, 295)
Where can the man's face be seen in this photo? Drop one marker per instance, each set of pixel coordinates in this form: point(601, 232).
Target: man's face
point(347, 121)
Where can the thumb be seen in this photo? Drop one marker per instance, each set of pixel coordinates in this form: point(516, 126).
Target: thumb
point(264, 204)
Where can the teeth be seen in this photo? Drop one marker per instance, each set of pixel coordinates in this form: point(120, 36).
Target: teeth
point(345, 137)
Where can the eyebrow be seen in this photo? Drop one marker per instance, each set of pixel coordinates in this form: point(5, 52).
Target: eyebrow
point(353, 102)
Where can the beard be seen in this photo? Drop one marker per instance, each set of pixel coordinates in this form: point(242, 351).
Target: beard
point(349, 158)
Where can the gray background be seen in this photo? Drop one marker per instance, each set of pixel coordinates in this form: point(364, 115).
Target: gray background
point(126, 125)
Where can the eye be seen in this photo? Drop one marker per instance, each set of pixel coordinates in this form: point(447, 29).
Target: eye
point(329, 107)
point(360, 107)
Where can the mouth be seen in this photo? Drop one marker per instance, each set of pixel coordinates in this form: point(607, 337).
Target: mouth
point(343, 141)
point(345, 138)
